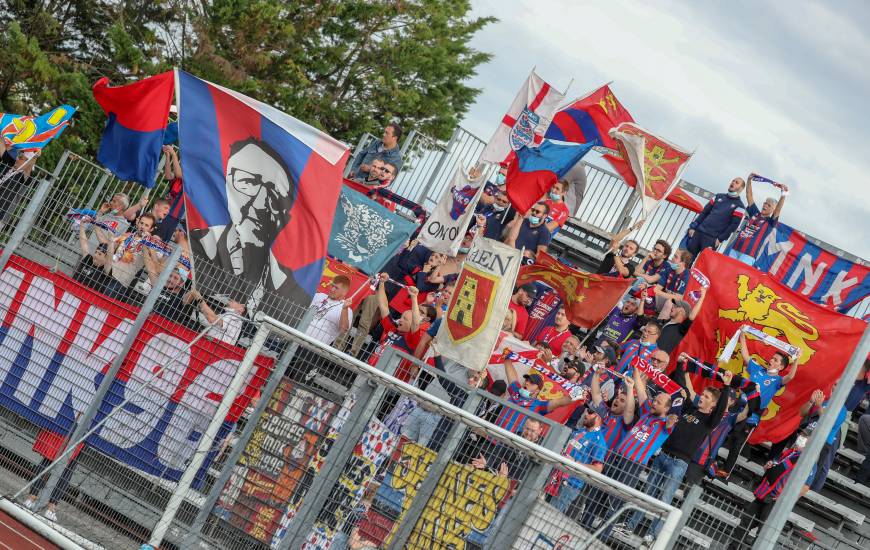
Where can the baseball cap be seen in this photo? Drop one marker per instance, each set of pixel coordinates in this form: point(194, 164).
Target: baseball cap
point(600, 409)
point(535, 379)
point(610, 354)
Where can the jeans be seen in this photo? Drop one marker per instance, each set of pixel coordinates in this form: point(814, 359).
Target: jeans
point(567, 495)
point(420, 426)
point(665, 476)
point(864, 447)
point(823, 466)
point(735, 441)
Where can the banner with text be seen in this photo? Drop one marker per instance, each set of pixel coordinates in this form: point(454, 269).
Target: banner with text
point(444, 230)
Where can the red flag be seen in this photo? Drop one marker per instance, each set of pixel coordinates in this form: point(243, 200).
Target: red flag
point(589, 118)
point(333, 268)
point(588, 298)
point(741, 295)
point(650, 160)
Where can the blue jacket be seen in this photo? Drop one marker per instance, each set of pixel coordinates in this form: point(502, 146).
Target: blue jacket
point(374, 150)
point(720, 217)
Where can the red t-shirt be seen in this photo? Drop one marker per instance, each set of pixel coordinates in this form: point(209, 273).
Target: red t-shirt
point(554, 338)
point(558, 211)
point(406, 342)
point(522, 317)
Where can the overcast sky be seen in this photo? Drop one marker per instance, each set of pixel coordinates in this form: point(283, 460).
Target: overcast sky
point(779, 88)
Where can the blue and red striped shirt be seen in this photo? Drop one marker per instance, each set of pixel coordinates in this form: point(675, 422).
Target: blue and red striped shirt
point(630, 350)
point(675, 282)
point(645, 438)
point(775, 477)
point(614, 429)
point(756, 229)
point(511, 419)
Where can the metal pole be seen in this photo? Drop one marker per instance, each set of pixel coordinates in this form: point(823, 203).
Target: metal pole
point(207, 440)
point(84, 422)
point(517, 509)
point(22, 228)
point(433, 476)
point(408, 141)
point(623, 219)
point(775, 522)
point(245, 436)
point(437, 171)
point(368, 399)
point(689, 503)
point(98, 190)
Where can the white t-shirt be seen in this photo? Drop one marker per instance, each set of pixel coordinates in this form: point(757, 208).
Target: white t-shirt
point(327, 315)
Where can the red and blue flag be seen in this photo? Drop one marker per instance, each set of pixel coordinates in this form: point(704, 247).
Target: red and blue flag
point(538, 168)
point(260, 186)
point(589, 118)
point(133, 137)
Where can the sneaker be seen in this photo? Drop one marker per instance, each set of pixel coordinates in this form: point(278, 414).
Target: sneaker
point(50, 515)
point(648, 540)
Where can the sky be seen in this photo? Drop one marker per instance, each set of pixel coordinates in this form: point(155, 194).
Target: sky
point(751, 86)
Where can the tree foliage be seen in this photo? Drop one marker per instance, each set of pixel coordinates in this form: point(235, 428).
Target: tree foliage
point(346, 66)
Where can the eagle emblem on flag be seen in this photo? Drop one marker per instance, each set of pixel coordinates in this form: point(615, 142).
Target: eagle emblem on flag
point(471, 305)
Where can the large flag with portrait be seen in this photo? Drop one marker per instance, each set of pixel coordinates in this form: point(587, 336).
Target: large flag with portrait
point(261, 188)
point(740, 295)
point(477, 309)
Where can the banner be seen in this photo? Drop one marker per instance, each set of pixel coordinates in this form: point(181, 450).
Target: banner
point(740, 295)
point(588, 298)
point(260, 188)
point(812, 271)
point(332, 268)
point(589, 118)
point(29, 133)
point(648, 161)
point(57, 338)
point(655, 376)
point(526, 121)
point(479, 303)
point(445, 228)
point(365, 234)
point(546, 528)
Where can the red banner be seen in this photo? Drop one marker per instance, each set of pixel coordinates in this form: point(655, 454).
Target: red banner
point(656, 376)
point(333, 268)
point(740, 295)
point(588, 298)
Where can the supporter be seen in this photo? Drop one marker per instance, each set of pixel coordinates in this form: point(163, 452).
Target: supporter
point(403, 334)
point(648, 301)
point(388, 173)
point(174, 195)
point(863, 474)
point(717, 221)
point(376, 172)
point(495, 217)
point(492, 188)
point(757, 226)
point(50, 445)
point(620, 417)
point(171, 303)
point(681, 318)
point(698, 416)
point(620, 265)
point(556, 335)
point(572, 369)
point(512, 463)
point(776, 474)
point(571, 348)
point(642, 348)
point(387, 149)
point(452, 266)
point(226, 327)
point(525, 396)
point(769, 381)
point(520, 300)
point(529, 234)
point(12, 187)
point(622, 323)
point(673, 285)
point(90, 269)
point(555, 201)
point(127, 258)
point(832, 443)
point(331, 312)
point(586, 446)
point(655, 268)
point(706, 454)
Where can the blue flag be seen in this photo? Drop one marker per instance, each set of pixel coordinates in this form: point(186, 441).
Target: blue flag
point(27, 132)
point(365, 234)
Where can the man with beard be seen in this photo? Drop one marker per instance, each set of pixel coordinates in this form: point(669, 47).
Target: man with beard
point(260, 191)
point(758, 225)
point(717, 221)
point(586, 446)
point(621, 264)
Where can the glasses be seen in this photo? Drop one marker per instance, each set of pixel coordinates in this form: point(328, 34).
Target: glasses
point(246, 183)
point(658, 361)
point(659, 250)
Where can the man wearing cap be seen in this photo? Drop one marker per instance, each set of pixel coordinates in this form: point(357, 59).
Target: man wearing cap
point(526, 396)
point(681, 318)
point(586, 446)
point(520, 300)
point(530, 234)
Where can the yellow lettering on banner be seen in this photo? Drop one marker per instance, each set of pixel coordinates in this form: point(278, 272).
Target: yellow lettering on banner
point(465, 499)
point(408, 474)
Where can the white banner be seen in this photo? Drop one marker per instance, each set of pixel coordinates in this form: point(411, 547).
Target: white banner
point(445, 228)
point(479, 304)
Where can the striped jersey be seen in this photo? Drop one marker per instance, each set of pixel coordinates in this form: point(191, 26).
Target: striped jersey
point(586, 447)
point(675, 282)
point(613, 429)
point(775, 477)
point(754, 231)
point(646, 436)
point(511, 419)
point(630, 350)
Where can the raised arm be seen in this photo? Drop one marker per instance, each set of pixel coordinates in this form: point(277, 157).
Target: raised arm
point(628, 413)
point(750, 199)
point(722, 403)
point(744, 350)
point(640, 386)
point(130, 213)
point(83, 239)
point(617, 238)
point(510, 372)
point(167, 169)
point(176, 165)
point(383, 305)
point(697, 308)
point(514, 230)
point(415, 308)
point(779, 204)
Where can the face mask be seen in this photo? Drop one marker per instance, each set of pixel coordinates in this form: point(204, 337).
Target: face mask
point(673, 265)
point(733, 194)
point(499, 178)
point(772, 372)
point(534, 220)
point(443, 307)
point(498, 207)
point(525, 394)
point(800, 442)
point(555, 196)
point(464, 249)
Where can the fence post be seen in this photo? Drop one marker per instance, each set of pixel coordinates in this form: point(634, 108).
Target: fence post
point(433, 476)
point(408, 141)
point(207, 439)
point(623, 219)
point(356, 151)
point(368, 399)
point(242, 442)
point(686, 509)
point(84, 422)
point(772, 526)
point(22, 228)
point(517, 509)
point(98, 190)
point(437, 171)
